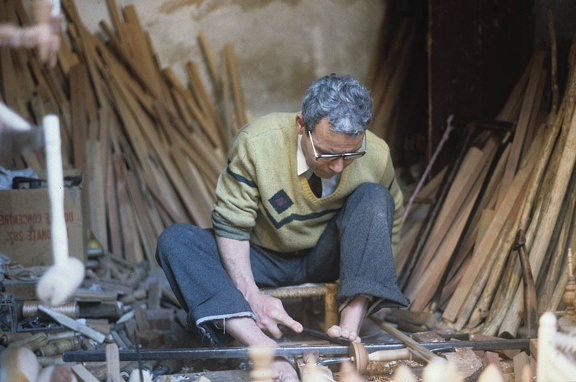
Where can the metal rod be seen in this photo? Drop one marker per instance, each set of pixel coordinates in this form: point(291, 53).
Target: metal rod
point(291, 350)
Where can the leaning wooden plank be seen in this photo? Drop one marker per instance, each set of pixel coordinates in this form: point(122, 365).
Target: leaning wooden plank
point(484, 247)
point(211, 62)
point(232, 68)
point(195, 181)
point(542, 240)
point(144, 56)
point(182, 107)
point(429, 281)
point(94, 179)
point(119, 26)
point(407, 241)
point(227, 104)
point(538, 115)
point(199, 149)
point(501, 248)
point(148, 234)
point(131, 249)
point(493, 278)
point(537, 200)
point(522, 126)
point(194, 108)
point(471, 167)
point(151, 147)
point(207, 105)
point(559, 247)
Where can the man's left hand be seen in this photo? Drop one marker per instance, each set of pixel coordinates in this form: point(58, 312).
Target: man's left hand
point(270, 313)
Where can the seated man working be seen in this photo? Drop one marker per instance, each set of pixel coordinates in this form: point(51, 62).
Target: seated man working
point(272, 228)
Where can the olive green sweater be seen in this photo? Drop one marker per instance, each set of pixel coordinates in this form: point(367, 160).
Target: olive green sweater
point(261, 198)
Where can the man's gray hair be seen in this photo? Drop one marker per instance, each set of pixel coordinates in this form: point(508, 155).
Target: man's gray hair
point(346, 103)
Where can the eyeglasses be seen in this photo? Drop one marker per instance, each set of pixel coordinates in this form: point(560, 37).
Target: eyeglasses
point(345, 156)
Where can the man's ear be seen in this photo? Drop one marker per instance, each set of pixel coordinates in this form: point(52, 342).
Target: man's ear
point(300, 124)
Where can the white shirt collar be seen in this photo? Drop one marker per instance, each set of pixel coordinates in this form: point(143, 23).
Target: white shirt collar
point(302, 166)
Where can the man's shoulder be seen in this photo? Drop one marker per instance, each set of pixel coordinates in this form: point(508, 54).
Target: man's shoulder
point(272, 121)
point(376, 144)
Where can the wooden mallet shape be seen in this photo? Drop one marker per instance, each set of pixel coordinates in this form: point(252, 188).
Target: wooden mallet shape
point(61, 280)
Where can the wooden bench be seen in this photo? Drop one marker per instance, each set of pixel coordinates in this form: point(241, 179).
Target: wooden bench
point(307, 292)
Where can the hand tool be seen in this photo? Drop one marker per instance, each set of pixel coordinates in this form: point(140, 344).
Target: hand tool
point(421, 353)
point(60, 280)
point(530, 299)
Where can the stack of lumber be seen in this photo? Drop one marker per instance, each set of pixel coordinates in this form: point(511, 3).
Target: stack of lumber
point(394, 79)
point(150, 147)
point(466, 265)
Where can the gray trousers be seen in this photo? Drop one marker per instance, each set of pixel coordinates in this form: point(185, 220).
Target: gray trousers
point(355, 249)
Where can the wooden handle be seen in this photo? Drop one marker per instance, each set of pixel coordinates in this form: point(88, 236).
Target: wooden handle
point(390, 355)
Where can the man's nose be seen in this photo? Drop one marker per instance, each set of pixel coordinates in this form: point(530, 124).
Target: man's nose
point(337, 165)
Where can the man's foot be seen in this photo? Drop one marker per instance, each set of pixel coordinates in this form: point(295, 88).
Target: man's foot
point(351, 319)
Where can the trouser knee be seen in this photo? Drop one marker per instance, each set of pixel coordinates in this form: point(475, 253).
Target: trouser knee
point(373, 196)
point(169, 239)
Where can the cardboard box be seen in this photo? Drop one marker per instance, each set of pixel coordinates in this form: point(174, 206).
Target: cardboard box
point(25, 225)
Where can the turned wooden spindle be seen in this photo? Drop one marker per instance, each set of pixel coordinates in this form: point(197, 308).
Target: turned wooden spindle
point(569, 296)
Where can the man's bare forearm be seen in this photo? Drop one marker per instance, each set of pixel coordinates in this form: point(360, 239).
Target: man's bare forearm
point(235, 255)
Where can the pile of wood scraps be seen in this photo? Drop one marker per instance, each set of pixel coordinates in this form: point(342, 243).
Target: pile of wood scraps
point(150, 147)
point(494, 241)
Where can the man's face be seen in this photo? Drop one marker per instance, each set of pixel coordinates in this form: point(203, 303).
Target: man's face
point(327, 142)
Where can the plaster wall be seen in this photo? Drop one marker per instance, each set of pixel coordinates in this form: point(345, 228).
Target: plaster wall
point(280, 45)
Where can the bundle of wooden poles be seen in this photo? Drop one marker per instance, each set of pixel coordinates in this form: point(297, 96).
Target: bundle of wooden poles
point(509, 191)
point(150, 147)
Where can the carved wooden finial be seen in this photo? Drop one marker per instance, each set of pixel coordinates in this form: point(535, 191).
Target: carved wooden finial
point(569, 296)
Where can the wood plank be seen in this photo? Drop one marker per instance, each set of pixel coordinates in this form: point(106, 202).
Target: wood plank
point(465, 179)
point(237, 95)
point(528, 105)
point(538, 250)
point(484, 247)
point(206, 104)
point(210, 61)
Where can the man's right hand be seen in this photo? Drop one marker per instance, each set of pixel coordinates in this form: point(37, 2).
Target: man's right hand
point(270, 313)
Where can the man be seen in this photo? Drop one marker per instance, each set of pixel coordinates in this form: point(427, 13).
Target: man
point(270, 229)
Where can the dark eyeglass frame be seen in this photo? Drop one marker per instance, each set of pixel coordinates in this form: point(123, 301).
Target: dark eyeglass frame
point(344, 156)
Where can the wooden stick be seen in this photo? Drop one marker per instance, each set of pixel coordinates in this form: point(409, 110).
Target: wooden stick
point(538, 251)
point(209, 57)
point(522, 126)
point(484, 248)
point(232, 67)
